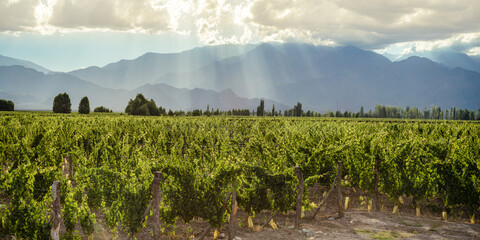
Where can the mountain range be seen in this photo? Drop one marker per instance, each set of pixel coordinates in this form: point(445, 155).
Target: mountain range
point(320, 77)
point(33, 90)
point(8, 61)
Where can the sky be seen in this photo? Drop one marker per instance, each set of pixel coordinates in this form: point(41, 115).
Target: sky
point(64, 35)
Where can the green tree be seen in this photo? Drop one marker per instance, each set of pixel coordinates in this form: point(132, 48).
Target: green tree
point(84, 106)
point(141, 106)
point(380, 111)
point(297, 110)
point(101, 109)
point(6, 105)
point(273, 110)
point(261, 108)
point(162, 111)
point(62, 104)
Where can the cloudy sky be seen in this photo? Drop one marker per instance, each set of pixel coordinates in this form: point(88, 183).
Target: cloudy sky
point(63, 35)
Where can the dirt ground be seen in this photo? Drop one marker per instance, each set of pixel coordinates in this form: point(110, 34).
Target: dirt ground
point(357, 223)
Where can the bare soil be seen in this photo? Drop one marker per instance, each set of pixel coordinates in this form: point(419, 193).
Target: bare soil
point(357, 223)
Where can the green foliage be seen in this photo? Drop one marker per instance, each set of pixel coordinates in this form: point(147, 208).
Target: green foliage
point(102, 109)
point(202, 160)
point(297, 110)
point(62, 104)
point(141, 106)
point(84, 106)
point(6, 105)
point(87, 219)
point(69, 212)
point(25, 216)
point(261, 108)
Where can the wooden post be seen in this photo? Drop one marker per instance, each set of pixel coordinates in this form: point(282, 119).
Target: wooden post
point(56, 211)
point(300, 187)
point(156, 198)
point(205, 232)
point(377, 203)
point(339, 189)
point(233, 218)
point(68, 167)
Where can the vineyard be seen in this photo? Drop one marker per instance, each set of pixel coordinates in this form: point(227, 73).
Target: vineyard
point(106, 163)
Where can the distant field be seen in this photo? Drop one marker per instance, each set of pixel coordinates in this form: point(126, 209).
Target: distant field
point(203, 159)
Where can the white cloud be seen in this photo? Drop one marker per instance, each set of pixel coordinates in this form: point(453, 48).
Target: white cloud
point(474, 51)
point(465, 42)
point(374, 24)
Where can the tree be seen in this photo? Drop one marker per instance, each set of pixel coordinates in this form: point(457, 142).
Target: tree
point(297, 110)
point(197, 112)
point(84, 106)
point(208, 113)
point(380, 111)
point(141, 106)
point(361, 111)
point(6, 105)
point(62, 104)
point(261, 108)
point(273, 110)
point(162, 110)
point(102, 109)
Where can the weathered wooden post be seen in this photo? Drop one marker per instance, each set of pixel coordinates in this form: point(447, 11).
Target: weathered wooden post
point(56, 211)
point(377, 203)
point(339, 189)
point(156, 198)
point(233, 217)
point(300, 187)
point(68, 167)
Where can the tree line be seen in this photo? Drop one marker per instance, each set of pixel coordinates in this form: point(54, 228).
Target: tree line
point(6, 105)
point(62, 104)
point(142, 106)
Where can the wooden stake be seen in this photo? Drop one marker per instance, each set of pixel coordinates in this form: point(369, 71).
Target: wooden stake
point(300, 187)
point(205, 232)
point(347, 200)
point(57, 211)
point(156, 198)
point(377, 203)
point(339, 189)
point(233, 218)
point(325, 196)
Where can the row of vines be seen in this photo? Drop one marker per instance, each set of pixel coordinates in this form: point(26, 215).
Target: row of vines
point(202, 160)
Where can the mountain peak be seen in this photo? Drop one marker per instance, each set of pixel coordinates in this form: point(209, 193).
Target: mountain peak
point(9, 61)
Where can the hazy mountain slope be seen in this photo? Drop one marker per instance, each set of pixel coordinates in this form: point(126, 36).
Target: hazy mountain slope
point(415, 82)
point(321, 78)
point(33, 90)
point(20, 81)
point(9, 61)
point(270, 65)
point(335, 78)
point(449, 58)
point(176, 98)
point(147, 68)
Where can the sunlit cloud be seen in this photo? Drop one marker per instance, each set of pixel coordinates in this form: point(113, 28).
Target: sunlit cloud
point(474, 51)
point(466, 43)
point(376, 24)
